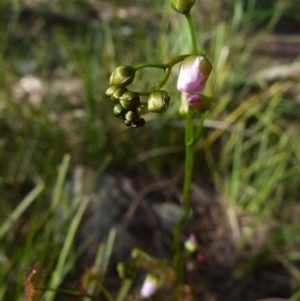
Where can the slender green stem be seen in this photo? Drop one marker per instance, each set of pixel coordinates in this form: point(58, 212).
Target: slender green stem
point(189, 162)
point(142, 93)
point(159, 85)
point(177, 60)
point(200, 129)
point(192, 32)
point(149, 65)
point(164, 79)
point(165, 66)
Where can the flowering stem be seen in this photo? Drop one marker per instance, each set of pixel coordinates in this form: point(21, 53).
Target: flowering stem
point(200, 128)
point(189, 162)
point(190, 140)
point(192, 32)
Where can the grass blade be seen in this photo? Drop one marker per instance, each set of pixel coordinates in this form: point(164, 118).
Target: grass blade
point(57, 275)
point(107, 252)
point(60, 181)
point(25, 203)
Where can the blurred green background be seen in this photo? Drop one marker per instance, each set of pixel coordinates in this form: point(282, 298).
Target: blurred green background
point(56, 58)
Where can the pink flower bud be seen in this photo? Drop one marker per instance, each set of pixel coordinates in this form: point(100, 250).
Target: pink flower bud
point(194, 100)
point(194, 73)
point(199, 103)
point(191, 244)
point(149, 287)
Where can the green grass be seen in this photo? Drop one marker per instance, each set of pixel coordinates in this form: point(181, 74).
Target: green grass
point(253, 164)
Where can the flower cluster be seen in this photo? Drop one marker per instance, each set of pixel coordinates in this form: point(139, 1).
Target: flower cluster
point(128, 105)
point(194, 72)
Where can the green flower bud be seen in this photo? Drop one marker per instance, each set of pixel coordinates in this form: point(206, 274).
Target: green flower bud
point(130, 100)
point(122, 76)
point(182, 6)
point(111, 90)
point(117, 94)
point(158, 101)
point(119, 111)
point(132, 116)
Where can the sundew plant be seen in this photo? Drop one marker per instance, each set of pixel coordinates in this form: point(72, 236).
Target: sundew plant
point(129, 105)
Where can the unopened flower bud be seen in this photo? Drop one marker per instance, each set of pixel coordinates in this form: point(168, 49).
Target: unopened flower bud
point(122, 76)
point(132, 116)
point(193, 74)
point(182, 6)
point(115, 97)
point(199, 103)
point(149, 287)
point(191, 244)
point(158, 101)
point(119, 111)
point(130, 100)
point(111, 90)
